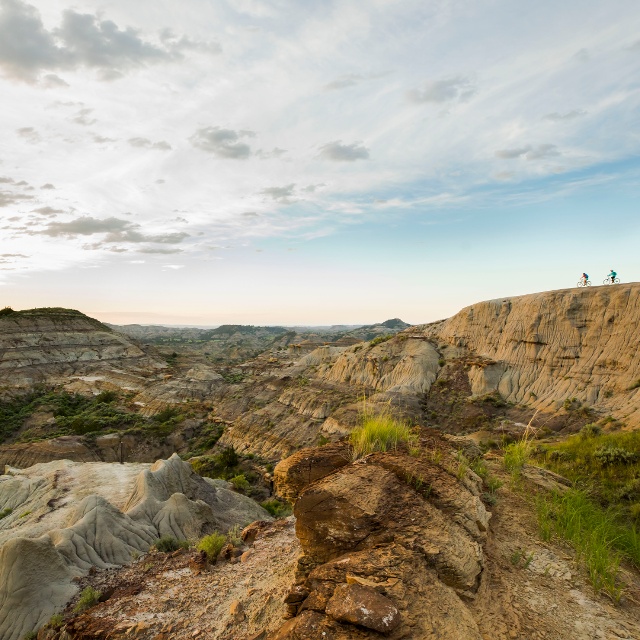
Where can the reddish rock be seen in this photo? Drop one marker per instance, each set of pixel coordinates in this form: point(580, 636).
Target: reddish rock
point(361, 605)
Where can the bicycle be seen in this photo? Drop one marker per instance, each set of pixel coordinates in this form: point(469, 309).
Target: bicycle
point(584, 283)
point(608, 280)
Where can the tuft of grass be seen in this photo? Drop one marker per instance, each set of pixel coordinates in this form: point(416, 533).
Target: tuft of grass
point(379, 433)
point(240, 483)
point(56, 620)
point(212, 545)
point(277, 508)
point(595, 533)
point(168, 544)
point(88, 598)
point(380, 340)
point(516, 455)
point(5, 512)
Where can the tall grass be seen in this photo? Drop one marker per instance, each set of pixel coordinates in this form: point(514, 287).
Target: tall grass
point(379, 432)
point(599, 540)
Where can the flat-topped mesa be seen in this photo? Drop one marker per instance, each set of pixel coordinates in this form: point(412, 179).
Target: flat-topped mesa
point(546, 348)
point(41, 345)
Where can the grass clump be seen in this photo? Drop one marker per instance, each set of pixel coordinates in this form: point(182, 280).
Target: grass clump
point(277, 508)
point(240, 483)
point(212, 545)
point(379, 433)
point(56, 620)
point(88, 598)
point(5, 512)
point(168, 544)
point(595, 533)
point(380, 340)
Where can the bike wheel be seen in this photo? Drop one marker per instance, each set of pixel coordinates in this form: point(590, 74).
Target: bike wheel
point(617, 280)
point(588, 283)
point(606, 281)
point(580, 284)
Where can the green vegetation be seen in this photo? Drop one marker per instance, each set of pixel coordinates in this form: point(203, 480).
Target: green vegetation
point(521, 559)
point(168, 544)
point(5, 512)
point(55, 622)
point(599, 517)
point(165, 422)
point(379, 433)
point(380, 340)
point(212, 545)
point(240, 483)
point(222, 465)
point(233, 378)
point(516, 455)
point(277, 508)
point(32, 635)
point(6, 311)
point(88, 598)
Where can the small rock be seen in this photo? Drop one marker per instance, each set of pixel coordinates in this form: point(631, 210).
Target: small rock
point(246, 555)
point(237, 611)
point(363, 605)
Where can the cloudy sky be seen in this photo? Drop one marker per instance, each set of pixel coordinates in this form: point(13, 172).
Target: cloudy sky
point(336, 161)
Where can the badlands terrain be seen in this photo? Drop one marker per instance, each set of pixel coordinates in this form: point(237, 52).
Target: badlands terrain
point(113, 438)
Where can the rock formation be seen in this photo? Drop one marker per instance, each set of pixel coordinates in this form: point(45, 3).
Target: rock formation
point(392, 544)
point(51, 345)
point(63, 518)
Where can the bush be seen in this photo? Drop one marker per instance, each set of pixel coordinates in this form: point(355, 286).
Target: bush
point(7, 311)
point(212, 545)
point(379, 433)
point(167, 544)
point(88, 598)
point(380, 340)
point(55, 622)
point(228, 458)
point(516, 455)
point(5, 512)
point(277, 508)
point(609, 455)
point(590, 430)
point(240, 483)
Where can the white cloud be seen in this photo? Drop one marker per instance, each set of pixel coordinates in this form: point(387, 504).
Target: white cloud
point(224, 143)
point(338, 152)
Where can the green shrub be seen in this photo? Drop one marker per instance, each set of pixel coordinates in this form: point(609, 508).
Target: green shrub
point(6, 311)
point(5, 512)
point(516, 455)
point(228, 458)
point(240, 483)
point(56, 620)
point(212, 545)
point(277, 508)
point(380, 340)
point(88, 598)
point(590, 430)
point(609, 455)
point(106, 397)
point(168, 544)
point(379, 433)
point(32, 635)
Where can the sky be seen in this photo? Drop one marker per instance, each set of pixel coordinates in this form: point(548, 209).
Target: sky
point(326, 162)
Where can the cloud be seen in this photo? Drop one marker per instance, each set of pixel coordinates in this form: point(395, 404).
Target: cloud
point(338, 152)
point(280, 194)
point(267, 155)
point(116, 230)
point(312, 188)
point(47, 211)
point(160, 251)
point(102, 139)
point(570, 115)
point(9, 258)
point(454, 89)
point(28, 48)
point(180, 44)
point(224, 143)
point(47, 185)
point(82, 117)
point(173, 266)
point(29, 134)
point(7, 198)
point(145, 143)
point(52, 81)
point(529, 152)
point(344, 82)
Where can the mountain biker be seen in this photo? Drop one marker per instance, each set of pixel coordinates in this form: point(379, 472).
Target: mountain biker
point(584, 279)
point(612, 275)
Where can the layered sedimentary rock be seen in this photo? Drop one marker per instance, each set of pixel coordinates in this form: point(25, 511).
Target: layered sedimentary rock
point(62, 518)
point(44, 345)
point(392, 544)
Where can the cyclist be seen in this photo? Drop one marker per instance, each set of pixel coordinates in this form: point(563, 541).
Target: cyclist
point(584, 279)
point(612, 275)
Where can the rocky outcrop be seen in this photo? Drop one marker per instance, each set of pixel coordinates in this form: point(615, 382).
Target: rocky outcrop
point(546, 348)
point(392, 544)
point(63, 518)
point(49, 345)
